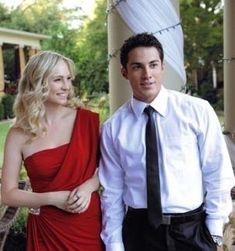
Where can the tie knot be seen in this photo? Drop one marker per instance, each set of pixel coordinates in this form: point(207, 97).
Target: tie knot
point(149, 110)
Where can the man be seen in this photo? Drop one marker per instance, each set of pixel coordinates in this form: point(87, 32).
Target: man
point(191, 160)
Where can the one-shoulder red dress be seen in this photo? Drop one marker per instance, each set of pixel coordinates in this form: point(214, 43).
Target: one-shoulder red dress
point(64, 168)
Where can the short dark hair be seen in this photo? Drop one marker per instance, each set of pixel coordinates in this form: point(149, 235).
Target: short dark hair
point(142, 39)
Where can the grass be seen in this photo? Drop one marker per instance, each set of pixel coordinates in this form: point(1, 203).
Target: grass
point(4, 126)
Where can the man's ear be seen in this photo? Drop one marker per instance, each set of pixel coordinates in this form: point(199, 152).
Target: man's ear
point(124, 72)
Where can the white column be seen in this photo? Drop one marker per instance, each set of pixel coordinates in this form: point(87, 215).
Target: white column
point(119, 88)
point(229, 76)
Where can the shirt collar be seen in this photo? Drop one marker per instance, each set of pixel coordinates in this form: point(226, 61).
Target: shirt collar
point(159, 103)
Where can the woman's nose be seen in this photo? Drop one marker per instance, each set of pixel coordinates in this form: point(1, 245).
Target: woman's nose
point(66, 84)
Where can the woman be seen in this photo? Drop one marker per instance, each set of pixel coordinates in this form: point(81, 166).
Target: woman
point(58, 144)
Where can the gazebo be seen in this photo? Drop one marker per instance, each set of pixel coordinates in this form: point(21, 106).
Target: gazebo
point(21, 45)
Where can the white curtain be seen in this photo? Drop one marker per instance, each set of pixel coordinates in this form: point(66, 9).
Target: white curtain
point(160, 18)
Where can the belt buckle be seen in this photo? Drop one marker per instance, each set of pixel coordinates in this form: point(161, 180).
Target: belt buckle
point(166, 219)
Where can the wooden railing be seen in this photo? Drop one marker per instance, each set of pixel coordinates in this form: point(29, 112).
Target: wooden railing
point(8, 216)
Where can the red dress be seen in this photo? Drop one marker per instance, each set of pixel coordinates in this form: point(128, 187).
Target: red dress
point(64, 168)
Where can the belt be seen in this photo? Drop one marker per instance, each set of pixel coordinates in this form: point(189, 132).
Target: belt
point(169, 219)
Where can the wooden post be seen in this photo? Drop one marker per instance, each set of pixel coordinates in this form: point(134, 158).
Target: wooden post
point(32, 51)
point(21, 59)
point(1, 70)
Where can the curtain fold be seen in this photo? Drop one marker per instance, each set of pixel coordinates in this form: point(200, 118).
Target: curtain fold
point(161, 19)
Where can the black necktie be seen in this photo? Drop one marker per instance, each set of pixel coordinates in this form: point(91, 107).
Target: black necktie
point(152, 169)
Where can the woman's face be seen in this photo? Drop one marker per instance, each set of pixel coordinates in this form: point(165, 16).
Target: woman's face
point(59, 84)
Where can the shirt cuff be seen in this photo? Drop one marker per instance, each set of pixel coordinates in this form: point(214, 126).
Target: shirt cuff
point(115, 246)
point(215, 227)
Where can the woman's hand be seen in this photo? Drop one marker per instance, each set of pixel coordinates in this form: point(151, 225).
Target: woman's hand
point(79, 199)
point(59, 199)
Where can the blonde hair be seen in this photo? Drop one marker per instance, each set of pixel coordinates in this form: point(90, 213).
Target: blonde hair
point(33, 91)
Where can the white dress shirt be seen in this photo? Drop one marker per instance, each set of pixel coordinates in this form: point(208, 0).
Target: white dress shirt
point(193, 159)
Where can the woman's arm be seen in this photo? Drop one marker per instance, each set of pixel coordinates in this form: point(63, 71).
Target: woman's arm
point(11, 194)
point(80, 197)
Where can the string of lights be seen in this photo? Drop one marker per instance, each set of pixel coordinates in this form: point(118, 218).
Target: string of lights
point(167, 29)
point(228, 60)
point(113, 6)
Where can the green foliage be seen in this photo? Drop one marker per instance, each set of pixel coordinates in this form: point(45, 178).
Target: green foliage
point(19, 226)
point(1, 111)
point(16, 239)
point(100, 104)
point(4, 126)
point(207, 92)
point(202, 22)
point(91, 59)
point(5, 15)
point(7, 102)
point(87, 46)
point(49, 18)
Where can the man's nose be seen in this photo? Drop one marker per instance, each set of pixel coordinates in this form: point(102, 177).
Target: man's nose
point(146, 72)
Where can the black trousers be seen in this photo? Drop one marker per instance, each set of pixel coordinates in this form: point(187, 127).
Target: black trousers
point(139, 235)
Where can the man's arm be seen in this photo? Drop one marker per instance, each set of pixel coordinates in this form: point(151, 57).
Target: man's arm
point(218, 178)
point(112, 180)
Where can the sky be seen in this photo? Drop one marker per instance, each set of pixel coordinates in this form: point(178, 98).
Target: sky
point(11, 2)
point(85, 4)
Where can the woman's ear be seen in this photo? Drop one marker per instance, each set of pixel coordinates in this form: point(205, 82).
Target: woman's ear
point(124, 72)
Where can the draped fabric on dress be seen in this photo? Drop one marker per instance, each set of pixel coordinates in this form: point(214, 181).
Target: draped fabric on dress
point(64, 168)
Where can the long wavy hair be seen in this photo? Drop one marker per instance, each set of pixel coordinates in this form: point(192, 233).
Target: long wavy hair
point(33, 91)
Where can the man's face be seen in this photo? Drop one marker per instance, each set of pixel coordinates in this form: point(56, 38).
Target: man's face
point(144, 71)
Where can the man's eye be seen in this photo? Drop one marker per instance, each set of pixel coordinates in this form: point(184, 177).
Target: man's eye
point(136, 67)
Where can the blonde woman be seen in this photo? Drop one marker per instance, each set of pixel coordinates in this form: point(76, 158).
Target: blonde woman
point(58, 145)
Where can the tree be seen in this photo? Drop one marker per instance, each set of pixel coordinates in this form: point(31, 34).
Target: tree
point(49, 18)
point(86, 45)
point(202, 22)
point(92, 60)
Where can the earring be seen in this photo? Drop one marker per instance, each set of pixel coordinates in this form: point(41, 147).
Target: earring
point(44, 88)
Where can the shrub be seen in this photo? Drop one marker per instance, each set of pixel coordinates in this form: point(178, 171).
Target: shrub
point(7, 102)
point(16, 239)
point(1, 111)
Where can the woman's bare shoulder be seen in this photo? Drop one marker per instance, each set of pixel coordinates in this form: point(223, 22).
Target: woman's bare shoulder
point(16, 135)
